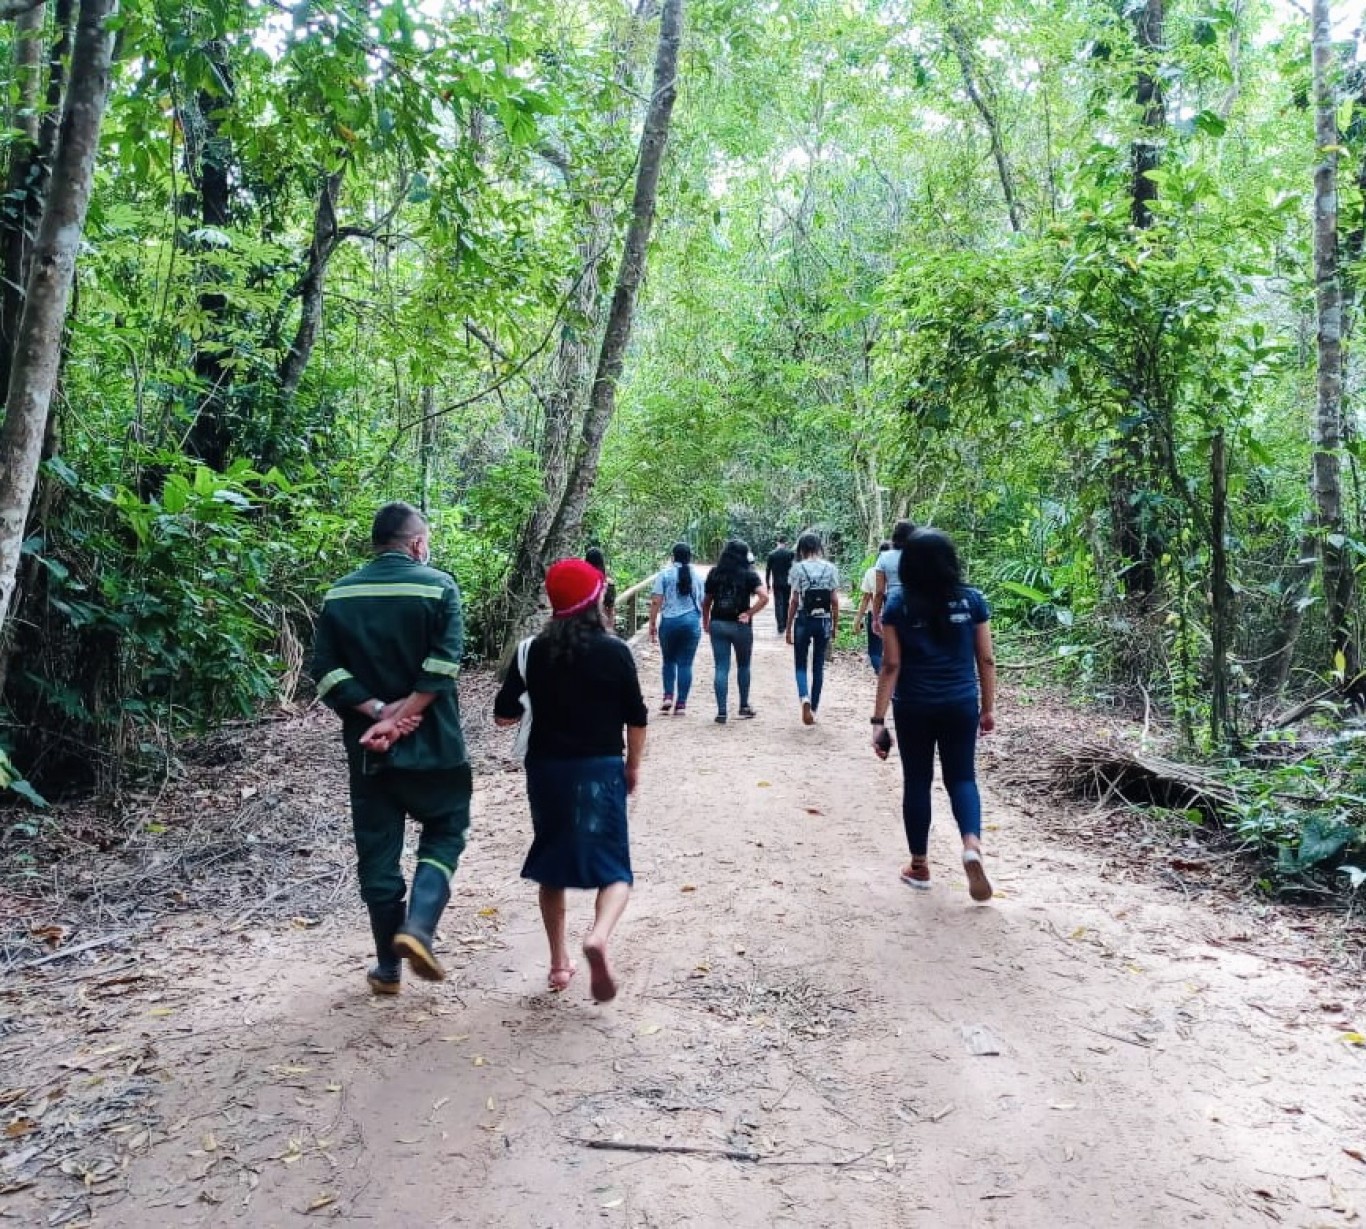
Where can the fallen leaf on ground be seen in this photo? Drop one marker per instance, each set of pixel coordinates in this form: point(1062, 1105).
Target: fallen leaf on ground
point(649, 1030)
point(688, 887)
point(321, 1201)
point(1353, 1039)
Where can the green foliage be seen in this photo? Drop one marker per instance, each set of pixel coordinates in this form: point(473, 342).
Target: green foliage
point(174, 608)
point(1304, 810)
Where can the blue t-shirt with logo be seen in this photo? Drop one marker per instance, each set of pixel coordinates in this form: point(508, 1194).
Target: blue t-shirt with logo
point(935, 671)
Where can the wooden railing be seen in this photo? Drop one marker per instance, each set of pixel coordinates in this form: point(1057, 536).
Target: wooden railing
point(633, 607)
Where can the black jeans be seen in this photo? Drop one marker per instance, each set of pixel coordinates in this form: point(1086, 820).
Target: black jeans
point(782, 599)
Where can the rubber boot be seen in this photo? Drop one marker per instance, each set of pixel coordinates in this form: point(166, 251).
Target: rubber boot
point(387, 973)
point(430, 891)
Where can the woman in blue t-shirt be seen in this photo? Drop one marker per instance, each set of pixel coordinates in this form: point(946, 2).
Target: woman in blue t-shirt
point(937, 659)
point(676, 623)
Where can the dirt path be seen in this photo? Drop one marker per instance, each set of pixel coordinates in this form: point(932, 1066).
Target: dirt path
point(784, 999)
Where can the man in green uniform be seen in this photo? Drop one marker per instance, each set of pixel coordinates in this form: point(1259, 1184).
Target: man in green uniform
point(386, 656)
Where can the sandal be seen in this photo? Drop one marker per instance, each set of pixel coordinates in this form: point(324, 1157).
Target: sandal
point(560, 977)
point(979, 886)
point(667, 705)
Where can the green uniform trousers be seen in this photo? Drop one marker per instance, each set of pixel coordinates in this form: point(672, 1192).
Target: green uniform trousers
point(439, 800)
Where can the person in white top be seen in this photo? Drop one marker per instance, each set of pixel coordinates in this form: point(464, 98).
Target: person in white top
point(864, 615)
point(812, 619)
point(887, 576)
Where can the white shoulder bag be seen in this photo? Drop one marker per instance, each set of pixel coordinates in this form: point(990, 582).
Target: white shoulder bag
point(523, 739)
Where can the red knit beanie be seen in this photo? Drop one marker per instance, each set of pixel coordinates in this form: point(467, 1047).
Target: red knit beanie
point(572, 585)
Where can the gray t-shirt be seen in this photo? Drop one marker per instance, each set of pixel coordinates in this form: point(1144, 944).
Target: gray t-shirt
point(812, 574)
point(889, 564)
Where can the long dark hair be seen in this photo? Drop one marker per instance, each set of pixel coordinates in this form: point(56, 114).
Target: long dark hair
point(568, 639)
point(734, 559)
point(683, 557)
point(901, 532)
point(931, 578)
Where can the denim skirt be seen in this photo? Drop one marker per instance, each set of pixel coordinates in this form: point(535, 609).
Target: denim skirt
point(578, 817)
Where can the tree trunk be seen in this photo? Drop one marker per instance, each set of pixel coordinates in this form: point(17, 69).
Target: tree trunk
point(1134, 534)
point(30, 161)
point(602, 399)
point(1220, 725)
point(1147, 150)
point(20, 185)
point(208, 155)
point(1326, 479)
point(572, 368)
point(981, 96)
point(38, 346)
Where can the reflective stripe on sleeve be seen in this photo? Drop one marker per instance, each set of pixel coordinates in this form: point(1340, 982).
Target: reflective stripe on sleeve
point(331, 679)
point(437, 665)
point(398, 589)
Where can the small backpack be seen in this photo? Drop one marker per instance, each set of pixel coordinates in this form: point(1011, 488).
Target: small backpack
point(732, 597)
point(817, 602)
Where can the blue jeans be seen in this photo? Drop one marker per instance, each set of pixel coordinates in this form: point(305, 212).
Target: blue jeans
point(678, 641)
point(953, 727)
point(810, 638)
point(724, 635)
point(874, 643)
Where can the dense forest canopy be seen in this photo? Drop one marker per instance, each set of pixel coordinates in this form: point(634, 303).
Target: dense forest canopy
point(1080, 283)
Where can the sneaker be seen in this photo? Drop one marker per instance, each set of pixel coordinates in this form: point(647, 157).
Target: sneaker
point(808, 713)
point(916, 875)
point(747, 712)
point(720, 718)
point(667, 704)
point(979, 886)
point(680, 708)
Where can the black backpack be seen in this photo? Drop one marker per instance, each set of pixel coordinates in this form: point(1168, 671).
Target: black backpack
point(816, 602)
point(732, 597)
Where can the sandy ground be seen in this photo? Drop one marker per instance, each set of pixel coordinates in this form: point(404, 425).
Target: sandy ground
point(830, 1047)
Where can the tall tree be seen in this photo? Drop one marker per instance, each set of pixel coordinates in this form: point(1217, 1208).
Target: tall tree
point(1326, 482)
point(38, 346)
point(654, 137)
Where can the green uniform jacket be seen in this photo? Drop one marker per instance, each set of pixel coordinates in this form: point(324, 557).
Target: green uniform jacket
point(390, 628)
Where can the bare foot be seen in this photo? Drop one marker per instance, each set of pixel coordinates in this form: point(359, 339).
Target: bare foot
point(602, 985)
point(561, 976)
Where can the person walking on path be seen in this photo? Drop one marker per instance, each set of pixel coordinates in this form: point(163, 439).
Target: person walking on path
point(863, 617)
point(609, 594)
point(584, 690)
point(776, 569)
point(733, 595)
point(886, 577)
point(676, 623)
point(386, 656)
point(939, 675)
point(812, 620)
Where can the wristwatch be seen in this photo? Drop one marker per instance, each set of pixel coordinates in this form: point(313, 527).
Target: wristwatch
point(377, 709)
point(877, 721)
